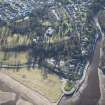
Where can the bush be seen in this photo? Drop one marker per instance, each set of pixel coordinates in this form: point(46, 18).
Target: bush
point(68, 86)
point(24, 76)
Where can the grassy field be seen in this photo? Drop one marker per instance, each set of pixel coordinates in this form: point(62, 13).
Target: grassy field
point(12, 57)
point(16, 40)
point(50, 87)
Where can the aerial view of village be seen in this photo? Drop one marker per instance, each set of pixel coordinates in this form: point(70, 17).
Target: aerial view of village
point(52, 52)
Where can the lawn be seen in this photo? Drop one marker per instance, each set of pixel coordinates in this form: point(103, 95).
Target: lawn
point(12, 57)
point(50, 87)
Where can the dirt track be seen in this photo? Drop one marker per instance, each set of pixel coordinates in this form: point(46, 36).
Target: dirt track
point(8, 84)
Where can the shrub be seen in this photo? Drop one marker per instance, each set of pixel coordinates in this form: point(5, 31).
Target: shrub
point(68, 86)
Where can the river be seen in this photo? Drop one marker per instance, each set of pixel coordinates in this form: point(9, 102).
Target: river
point(89, 93)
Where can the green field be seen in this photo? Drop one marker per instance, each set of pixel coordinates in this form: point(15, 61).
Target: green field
point(12, 57)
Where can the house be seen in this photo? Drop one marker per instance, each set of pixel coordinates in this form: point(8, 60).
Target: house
point(49, 32)
point(51, 61)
